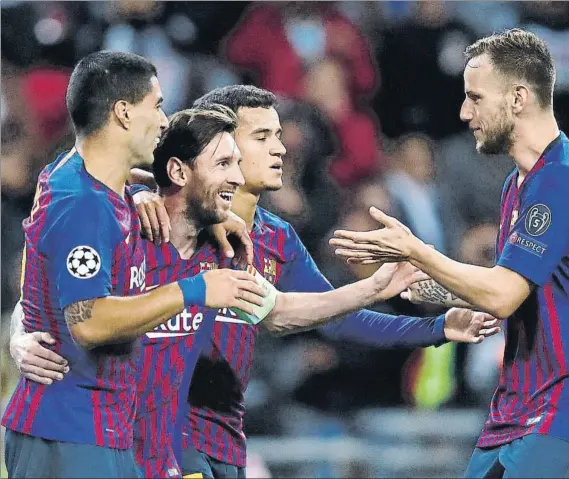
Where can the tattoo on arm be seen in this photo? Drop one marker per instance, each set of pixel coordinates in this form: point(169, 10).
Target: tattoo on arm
point(432, 292)
point(78, 312)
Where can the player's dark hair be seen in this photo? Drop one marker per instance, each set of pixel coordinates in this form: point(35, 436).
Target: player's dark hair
point(101, 79)
point(238, 96)
point(520, 55)
point(188, 133)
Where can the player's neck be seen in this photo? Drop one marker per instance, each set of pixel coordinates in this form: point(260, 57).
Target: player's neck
point(184, 232)
point(244, 205)
point(532, 138)
point(102, 162)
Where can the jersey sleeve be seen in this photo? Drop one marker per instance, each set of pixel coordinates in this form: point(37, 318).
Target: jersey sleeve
point(79, 244)
point(301, 274)
point(539, 238)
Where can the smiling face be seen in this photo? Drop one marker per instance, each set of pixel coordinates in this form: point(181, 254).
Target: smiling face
point(212, 180)
point(485, 107)
point(258, 137)
point(148, 122)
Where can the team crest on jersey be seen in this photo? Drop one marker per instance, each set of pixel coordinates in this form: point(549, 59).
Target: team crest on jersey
point(538, 219)
point(270, 269)
point(207, 266)
point(83, 262)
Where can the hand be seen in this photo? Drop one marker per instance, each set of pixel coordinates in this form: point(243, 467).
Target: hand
point(226, 288)
point(393, 278)
point(34, 361)
point(234, 225)
point(154, 218)
point(392, 243)
point(467, 326)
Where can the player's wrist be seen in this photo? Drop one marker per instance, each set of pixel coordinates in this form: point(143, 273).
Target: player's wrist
point(193, 290)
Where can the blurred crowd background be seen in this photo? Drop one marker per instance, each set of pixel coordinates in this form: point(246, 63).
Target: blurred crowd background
point(369, 101)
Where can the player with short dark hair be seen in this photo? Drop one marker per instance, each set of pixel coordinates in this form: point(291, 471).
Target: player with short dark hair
point(83, 281)
point(508, 82)
point(214, 444)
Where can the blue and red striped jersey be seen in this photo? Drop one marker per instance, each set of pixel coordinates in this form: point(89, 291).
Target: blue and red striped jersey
point(214, 420)
point(533, 389)
point(169, 355)
point(82, 241)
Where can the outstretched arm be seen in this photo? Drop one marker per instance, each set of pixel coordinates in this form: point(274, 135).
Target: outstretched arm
point(498, 290)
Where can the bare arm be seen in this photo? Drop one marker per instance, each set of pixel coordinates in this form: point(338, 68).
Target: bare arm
point(431, 292)
point(498, 290)
point(112, 319)
point(295, 312)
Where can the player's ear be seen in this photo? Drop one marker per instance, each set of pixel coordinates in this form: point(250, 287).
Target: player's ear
point(177, 171)
point(121, 113)
point(519, 98)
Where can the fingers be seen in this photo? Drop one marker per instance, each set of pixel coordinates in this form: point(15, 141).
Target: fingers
point(489, 331)
point(352, 253)
point(46, 338)
point(419, 276)
point(39, 379)
point(37, 352)
point(406, 295)
point(382, 218)
point(245, 240)
point(40, 372)
point(225, 246)
point(251, 298)
point(356, 236)
point(154, 224)
point(251, 286)
point(144, 222)
point(243, 306)
point(163, 221)
point(365, 261)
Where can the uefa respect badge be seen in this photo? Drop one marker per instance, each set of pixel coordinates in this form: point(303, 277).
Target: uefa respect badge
point(259, 312)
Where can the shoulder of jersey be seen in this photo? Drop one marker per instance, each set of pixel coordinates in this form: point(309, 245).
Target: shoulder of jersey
point(68, 179)
point(271, 219)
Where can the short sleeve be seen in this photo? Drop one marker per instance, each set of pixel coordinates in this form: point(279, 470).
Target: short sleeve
point(301, 274)
point(539, 238)
point(79, 244)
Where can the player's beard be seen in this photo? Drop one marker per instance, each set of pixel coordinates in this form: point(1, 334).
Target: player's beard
point(201, 215)
point(499, 138)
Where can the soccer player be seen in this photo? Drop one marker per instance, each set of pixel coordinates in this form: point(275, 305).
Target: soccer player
point(508, 81)
point(214, 444)
point(83, 279)
point(291, 311)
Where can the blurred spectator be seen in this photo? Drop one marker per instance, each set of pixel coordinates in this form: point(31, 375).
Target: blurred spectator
point(478, 366)
point(470, 184)
point(550, 21)
point(359, 154)
point(278, 41)
point(310, 51)
point(422, 62)
point(308, 193)
point(411, 183)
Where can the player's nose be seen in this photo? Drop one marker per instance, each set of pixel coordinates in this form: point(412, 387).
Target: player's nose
point(279, 148)
point(163, 120)
point(236, 177)
point(465, 111)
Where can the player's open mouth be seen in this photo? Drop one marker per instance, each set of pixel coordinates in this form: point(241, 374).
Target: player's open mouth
point(277, 166)
point(226, 196)
point(157, 140)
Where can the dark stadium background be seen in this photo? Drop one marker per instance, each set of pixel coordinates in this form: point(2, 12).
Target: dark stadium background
point(370, 94)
